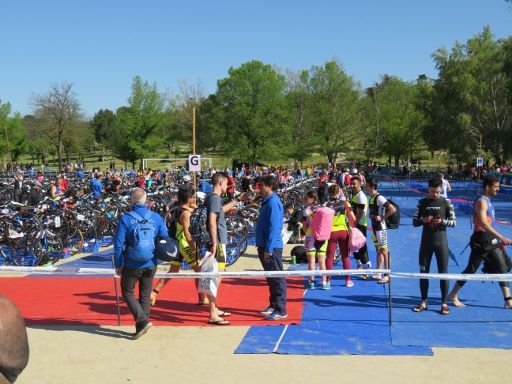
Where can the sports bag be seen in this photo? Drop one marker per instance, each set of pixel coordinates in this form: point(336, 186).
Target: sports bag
point(322, 223)
point(356, 240)
point(141, 239)
point(198, 225)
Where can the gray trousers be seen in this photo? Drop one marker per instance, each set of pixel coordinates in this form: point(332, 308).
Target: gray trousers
point(129, 278)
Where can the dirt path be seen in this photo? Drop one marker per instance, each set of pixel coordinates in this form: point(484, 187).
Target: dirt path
point(75, 354)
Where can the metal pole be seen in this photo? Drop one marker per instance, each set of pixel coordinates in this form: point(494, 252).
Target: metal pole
point(390, 299)
point(117, 297)
point(194, 141)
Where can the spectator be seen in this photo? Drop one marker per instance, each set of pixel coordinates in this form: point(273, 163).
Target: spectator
point(35, 193)
point(270, 246)
point(14, 349)
point(218, 234)
point(134, 262)
point(18, 186)
point(96, 186)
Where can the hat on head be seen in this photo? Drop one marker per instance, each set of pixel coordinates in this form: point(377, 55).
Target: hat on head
point(36, 183)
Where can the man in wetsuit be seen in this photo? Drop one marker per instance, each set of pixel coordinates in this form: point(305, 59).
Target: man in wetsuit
point(485, 242)
point(435, 213)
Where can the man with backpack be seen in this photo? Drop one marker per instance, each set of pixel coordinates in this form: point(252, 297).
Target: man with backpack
point(134, 259)
point(380, 210)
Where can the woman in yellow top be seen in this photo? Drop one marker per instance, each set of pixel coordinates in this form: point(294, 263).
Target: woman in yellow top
point(187, 250)
point(343, 218)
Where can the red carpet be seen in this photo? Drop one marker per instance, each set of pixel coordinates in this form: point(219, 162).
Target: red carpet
point(91, 301)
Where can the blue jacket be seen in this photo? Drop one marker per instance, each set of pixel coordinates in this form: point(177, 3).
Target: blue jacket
point(96, 187)
point(125, 226)
point(270, 224)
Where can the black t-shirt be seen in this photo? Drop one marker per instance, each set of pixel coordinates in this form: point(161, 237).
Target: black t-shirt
point(246, 182)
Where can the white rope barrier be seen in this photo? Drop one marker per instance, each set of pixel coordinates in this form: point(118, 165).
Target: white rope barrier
point(256, 274)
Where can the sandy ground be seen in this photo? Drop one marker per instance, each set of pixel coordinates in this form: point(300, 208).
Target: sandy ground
point(72, 354)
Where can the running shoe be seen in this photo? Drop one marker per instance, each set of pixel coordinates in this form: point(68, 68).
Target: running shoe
point(326, 286)
point(142, 329)
point(267, 311)
point(311, 285)
point(276, 316)
point(349, 284)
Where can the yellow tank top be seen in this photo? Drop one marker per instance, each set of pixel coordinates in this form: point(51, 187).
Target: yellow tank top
point(180, 235)
point(339, 223)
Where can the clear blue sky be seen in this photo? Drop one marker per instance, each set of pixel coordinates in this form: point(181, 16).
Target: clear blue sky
point(101, 45)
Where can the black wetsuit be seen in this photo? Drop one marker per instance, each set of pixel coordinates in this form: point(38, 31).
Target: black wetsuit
point(433, 239)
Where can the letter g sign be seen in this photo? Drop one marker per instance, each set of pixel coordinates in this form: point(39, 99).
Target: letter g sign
point(194, 163)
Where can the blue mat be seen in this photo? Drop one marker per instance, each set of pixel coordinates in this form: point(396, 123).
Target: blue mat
point(260, 340)
point(340, 321)
point(355, 321)
point(482, 324)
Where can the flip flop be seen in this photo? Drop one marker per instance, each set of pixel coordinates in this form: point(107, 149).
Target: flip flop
point(445, 310)
point(224, 314)
point(218, 322)
point(419, 308)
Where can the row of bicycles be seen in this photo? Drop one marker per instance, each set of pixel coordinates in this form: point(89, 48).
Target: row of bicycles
point(52, 230)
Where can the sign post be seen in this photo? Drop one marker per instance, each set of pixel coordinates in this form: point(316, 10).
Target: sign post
point(479, 165)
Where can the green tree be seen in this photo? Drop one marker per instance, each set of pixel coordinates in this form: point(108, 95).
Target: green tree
point(59, 111)
point(138, 129)
point(297, 102)
point(102, 124)
point(12, 136)
point(254, 111)
point(469, 100)
point(398, 124)
point(210, 129)
point(333, 110)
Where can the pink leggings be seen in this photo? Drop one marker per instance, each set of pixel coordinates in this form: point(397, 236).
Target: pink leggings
point(338, 238)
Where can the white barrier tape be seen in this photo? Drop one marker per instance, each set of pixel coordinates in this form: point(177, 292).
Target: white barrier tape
point(190, 275)
point(453, 276)
point(259, 274)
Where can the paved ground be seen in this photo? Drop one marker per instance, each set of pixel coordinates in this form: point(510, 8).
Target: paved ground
point(203, 354)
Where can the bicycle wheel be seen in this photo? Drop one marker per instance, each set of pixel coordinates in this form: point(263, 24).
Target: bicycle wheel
point(25, 256)
point(76, 242)
point(23, 230)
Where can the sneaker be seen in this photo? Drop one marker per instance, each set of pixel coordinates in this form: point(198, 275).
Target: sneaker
point(275, 316)
point(267, 311)
point(311, 285)
point(326, 286)
point(368, 265)
point(142, 329)
point(349, 284)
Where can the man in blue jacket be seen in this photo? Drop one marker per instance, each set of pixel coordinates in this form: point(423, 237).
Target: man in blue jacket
point(270, 246)
point(97, 186)
point(134, 258)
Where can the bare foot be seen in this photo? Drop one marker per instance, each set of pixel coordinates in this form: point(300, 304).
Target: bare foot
point(456, 302)
point(152, 299)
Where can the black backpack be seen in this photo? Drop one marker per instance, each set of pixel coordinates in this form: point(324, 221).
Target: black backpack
point(323, 192)
point(299, 251)
point(171, 218)
point(393, 221)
